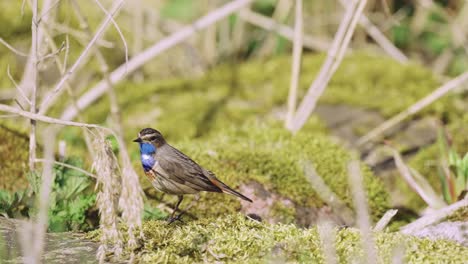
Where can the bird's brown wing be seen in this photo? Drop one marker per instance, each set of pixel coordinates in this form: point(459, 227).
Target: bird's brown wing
point(178, 167)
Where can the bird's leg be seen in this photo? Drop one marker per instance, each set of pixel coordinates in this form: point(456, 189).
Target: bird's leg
point(192, 203)
point(172, 218)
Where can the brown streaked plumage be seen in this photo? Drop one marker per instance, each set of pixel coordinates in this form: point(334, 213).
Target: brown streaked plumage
point(172, 172)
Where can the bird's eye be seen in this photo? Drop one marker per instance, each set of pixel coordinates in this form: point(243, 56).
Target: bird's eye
point(153, 138)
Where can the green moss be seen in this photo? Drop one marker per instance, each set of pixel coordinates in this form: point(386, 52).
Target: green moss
point(236, 239)
point(14, 159)
point(459, 215)
point(271, 156)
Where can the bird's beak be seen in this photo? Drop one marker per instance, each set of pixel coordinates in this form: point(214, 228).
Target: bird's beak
point(137, 140)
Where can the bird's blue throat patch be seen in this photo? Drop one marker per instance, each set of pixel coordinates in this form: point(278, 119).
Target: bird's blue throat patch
point(147, 152)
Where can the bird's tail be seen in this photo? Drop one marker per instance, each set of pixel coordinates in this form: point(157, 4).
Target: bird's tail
point(227, 189)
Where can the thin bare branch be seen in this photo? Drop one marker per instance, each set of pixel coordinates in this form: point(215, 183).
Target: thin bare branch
point(379, 37)
point(282, 30)
point(34, 82)
point(79, 35)
point(116, 28)
point(67, 166)
point(385, 220)
point(434, 217)
point(45, 190)
point(355, 181)
point(50, 120)
point(420, 185)
point(140, 59)
point(327, 195)
point(17, 52)
point(51, 96)
point(296, 63)
point(413, 109)
point(17, 87)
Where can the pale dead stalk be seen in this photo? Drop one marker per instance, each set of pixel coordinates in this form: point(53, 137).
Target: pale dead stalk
point(327, 195)
point(67, 166)
point(20, 91)
point(379, 37)
point(434, 217)
point(282, 10)
point(420, 185)
point(327, 234)
point(140, 59)
point(385, 220)
point(52, 95)
point(31, 67)
point(296, 63)
point(46, 188)
point(333, 60)
point(50, 120)
point(17, 52)
point(282, 30)
point(415, 108)
point(355, 180)
point(34, 82)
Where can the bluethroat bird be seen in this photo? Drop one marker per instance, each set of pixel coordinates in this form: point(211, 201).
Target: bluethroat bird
point(172, 172)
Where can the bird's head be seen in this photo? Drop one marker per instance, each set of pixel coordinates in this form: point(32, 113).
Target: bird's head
point(150, 136)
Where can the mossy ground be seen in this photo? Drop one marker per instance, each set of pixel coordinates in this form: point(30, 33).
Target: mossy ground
point(271, 156)
point(235, 239)
point(14, 159)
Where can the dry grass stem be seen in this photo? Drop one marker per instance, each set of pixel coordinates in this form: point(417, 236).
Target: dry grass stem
point(109, 187)
point(50, 120)
point(67, 166)
point(119, 31)
point(52, 95)
point(362, 211)
point(282, 30)
point(34, 82)
point(140, 59)
point(333, 60)
point(37, 37)
point(282, 11)
point(385, 220)
point(296, 63)
point(380, 38)
point(415, 108)
point(17, 52)
point(327, 195)
point(418, 184)
point(20, 91)
point(434, 217)
point(47, 178)
point(327, 236)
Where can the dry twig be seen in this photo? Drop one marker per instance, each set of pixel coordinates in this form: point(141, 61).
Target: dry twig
point(334, 58)
point(362, 211)
point(52, 95)
point(413, 109)
point(139, 60)
point(296, 63)
point(282, 30)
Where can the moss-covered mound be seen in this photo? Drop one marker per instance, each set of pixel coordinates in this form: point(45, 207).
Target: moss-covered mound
point(235, 239)
point(271, 156)
point(14, 159)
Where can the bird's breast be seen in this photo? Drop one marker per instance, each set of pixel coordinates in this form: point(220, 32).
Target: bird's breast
point(148, 161)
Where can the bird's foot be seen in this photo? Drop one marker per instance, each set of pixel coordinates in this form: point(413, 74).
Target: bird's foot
point(172, 219)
